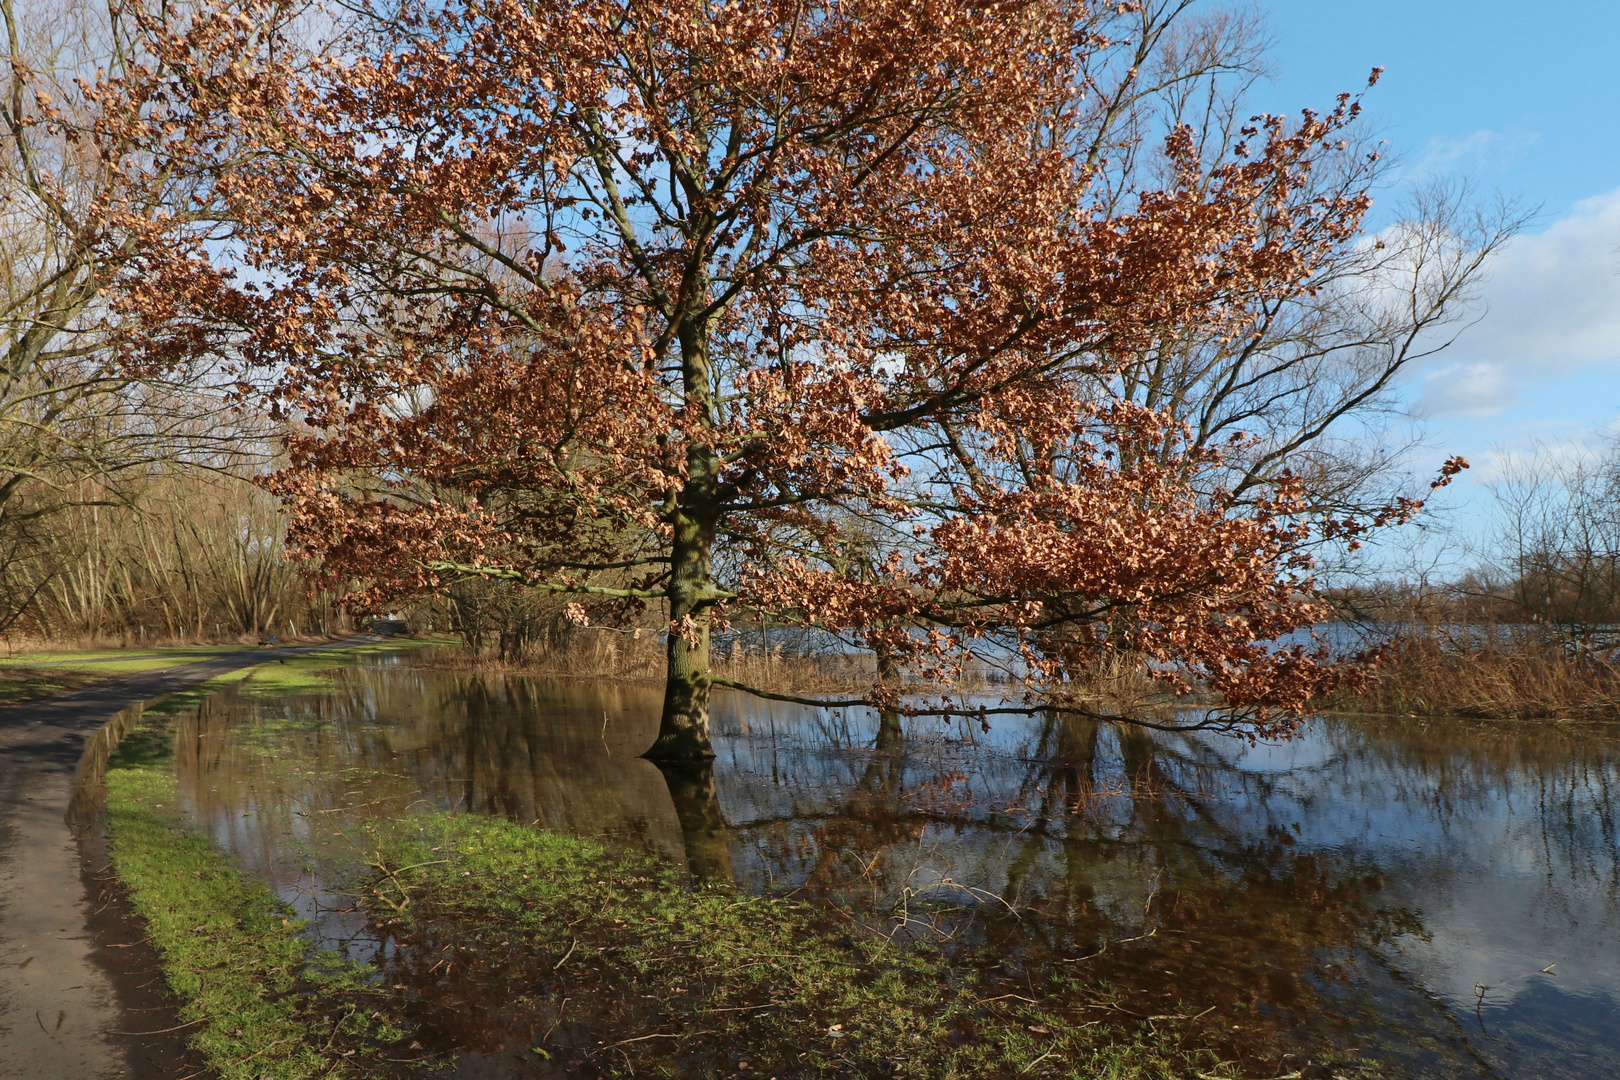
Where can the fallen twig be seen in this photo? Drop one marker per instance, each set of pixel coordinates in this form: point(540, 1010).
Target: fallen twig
point(1037, 1061)
point(161, 1031)
point(644, 1038)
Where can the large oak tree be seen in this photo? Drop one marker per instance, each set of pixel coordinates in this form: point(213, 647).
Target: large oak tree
point(680, 303)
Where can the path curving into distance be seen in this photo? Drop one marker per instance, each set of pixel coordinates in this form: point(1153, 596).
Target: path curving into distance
point(71, 1007)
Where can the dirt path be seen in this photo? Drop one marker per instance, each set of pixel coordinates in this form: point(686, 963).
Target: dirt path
point(68, 1002)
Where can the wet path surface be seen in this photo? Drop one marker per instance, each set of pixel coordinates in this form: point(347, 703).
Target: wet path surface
point(70, 1008)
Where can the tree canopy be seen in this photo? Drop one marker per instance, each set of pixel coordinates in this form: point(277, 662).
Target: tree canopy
point(827, 310)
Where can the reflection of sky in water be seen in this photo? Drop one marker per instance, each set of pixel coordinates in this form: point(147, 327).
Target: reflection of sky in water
point(1502, 843)
point(1421, 861)
point(1512, 869)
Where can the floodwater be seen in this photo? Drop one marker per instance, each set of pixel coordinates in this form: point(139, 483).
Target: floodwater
point(1435, 900)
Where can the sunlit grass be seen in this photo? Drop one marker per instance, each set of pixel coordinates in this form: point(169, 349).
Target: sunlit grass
point(263, 1002)
point(122, 666)
point(230, 952)
point(73, 668)
point(57, 656)
point(313, 673)
point(112, 662)
point(18, 685)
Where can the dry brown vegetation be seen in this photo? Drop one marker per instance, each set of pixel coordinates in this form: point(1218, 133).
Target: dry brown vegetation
point(174, 556)
point(608, 653)
point(1532, 631)
point(1501, 672)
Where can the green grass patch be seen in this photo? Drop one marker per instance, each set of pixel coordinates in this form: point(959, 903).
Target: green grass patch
point(179, 652)
point(128, 666)
point(313, 672)
point(29, 676)
point(310, 673)
point(58, 656)
point(186, 700)
point(117, 661)
point(608, 965)
point(18, 685)
point(230, 952)
point(99, 659)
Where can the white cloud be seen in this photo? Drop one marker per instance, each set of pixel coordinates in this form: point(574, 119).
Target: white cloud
point(1466, 389)
point(1483, 151)
point(1553, 308)
point(1566, 448)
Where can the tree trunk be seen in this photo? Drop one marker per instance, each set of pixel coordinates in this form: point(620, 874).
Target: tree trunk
point(891, 738)
point(683, 730)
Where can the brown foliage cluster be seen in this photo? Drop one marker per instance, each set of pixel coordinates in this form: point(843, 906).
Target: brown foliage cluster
point(767, 307)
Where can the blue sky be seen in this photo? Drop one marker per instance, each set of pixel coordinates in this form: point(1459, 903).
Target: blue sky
point(1523, 98)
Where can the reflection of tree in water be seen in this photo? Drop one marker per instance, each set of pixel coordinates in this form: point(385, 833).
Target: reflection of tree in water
point(1293, 945)
point(703, 828)
point(381, 743)
point(1114, 872)
point(1092, 835)
point(1561, 783)
point(1098, 835)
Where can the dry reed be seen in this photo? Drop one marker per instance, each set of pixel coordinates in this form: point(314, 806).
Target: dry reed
point(638, 656)
point(1492, 673)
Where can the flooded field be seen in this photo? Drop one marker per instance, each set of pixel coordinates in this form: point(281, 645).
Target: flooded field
point(1400, 899)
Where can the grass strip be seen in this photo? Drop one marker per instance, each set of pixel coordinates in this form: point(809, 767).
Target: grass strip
point(20, 685)
point(314, 672)
point(266, 1002)
point(617, 969)
point(230, 952)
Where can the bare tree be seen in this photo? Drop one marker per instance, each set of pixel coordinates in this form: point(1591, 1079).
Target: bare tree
point(1555, 554)
point(1311, 388)
point(73, 422)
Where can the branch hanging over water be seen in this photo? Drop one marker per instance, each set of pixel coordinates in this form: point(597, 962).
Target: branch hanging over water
point(1207, 724)
point(825, 703)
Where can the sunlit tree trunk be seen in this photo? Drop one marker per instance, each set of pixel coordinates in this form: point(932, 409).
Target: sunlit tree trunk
point(891, 737)
point(683, 730)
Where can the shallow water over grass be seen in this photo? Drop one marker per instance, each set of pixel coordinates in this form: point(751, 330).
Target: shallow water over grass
point(1378, 898)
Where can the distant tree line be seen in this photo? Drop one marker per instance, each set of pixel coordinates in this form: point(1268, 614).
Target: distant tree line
point(1545, 555)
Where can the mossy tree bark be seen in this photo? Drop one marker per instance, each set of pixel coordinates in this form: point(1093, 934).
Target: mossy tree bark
point(891, 737)
point(683, 729)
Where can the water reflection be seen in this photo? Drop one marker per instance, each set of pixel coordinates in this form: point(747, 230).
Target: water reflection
point(87, 804)
point(1444, 900)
